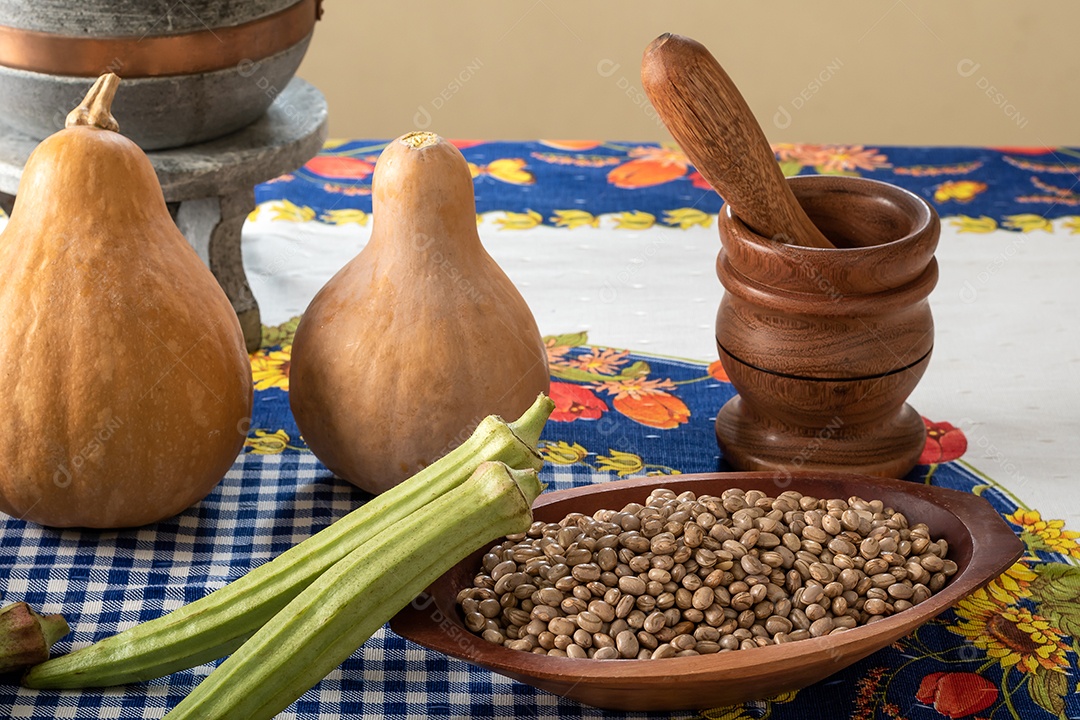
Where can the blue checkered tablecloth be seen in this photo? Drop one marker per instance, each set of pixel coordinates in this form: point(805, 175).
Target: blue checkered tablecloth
point(104, 582)
point(621, 414)
point(278, 494)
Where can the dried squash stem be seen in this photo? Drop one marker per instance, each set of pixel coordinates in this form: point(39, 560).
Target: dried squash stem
point(96, 108)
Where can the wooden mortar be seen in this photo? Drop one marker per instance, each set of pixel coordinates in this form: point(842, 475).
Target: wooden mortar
point(824, 345)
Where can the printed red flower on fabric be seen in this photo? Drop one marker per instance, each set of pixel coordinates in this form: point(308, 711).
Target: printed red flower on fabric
point(944, 443)
point(957, 694)
point(699, 181)
point(650, 166)
point(342, 168)
point(1023, 150)
point(575, 402)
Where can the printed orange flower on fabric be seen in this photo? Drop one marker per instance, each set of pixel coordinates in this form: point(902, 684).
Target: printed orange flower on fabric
point(555, 352)
point(698, 180)
point(600, 360)
point(647, 402)
point(717, 371)
point(578, 160)
point(573, 145)
point(270, 368)
point(797, 152)
point(348, 190)
point(651, 166)
point(841, 158)
point(658, 410)
point(832, 158)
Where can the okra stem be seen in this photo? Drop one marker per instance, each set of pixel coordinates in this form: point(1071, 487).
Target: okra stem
point(338, 612)
point(26, 636)
point(220, 622)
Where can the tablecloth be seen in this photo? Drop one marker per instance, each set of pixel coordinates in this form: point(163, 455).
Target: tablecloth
point(612, 245)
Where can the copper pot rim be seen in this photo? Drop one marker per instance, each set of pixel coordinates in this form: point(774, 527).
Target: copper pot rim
point(203, 51)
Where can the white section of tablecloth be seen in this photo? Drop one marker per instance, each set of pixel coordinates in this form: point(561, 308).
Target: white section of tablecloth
point(1005, 363)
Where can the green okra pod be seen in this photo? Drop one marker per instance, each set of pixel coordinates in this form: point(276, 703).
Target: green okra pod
point(220, 622)
point(340, 610)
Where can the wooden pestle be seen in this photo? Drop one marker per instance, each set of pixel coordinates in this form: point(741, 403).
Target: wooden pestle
point(712, 123)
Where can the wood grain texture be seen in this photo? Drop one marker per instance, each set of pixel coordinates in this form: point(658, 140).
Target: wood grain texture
point(817, 337)
point(980, 543)
point(708, 117)
point(825, 346)
point(895, 232)
point(862, 426)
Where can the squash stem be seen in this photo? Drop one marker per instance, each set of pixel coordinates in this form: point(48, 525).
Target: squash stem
point(96, 108)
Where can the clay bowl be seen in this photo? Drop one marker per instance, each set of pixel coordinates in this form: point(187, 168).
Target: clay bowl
point(980, 543)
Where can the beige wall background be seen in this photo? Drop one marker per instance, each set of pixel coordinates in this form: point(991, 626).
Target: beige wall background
point(991, 72)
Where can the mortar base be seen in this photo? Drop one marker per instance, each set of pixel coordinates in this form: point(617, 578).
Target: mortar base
point(887, 449)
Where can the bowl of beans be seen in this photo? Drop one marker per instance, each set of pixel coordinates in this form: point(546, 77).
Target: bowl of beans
point(693, 591)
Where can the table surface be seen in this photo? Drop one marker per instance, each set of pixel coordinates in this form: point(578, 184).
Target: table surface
point(613, 245)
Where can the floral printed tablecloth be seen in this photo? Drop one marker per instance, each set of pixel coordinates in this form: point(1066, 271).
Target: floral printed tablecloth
point(1008, 651)
point(570, 184)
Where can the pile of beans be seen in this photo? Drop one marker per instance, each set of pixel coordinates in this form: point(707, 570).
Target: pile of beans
point(685, 575)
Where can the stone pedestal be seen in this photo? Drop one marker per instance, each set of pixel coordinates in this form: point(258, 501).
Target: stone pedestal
point(209, 188)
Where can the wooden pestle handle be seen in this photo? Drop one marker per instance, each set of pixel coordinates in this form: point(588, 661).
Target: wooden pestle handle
point(712, 123)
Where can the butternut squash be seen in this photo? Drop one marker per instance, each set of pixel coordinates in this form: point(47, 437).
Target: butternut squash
point(417, 338)
point(128, 385)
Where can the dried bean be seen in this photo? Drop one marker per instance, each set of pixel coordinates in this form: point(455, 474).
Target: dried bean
point(684, 575)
